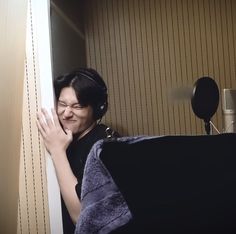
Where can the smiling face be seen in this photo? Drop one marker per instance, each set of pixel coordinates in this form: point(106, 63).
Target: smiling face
point(72, 115)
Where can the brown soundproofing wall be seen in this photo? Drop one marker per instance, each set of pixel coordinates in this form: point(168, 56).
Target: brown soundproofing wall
point(146, 49)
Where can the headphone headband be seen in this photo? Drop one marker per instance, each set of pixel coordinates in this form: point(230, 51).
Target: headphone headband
point(94, 77)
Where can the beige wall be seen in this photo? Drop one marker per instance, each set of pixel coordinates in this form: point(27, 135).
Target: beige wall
point(12, 54)
point(146, 49)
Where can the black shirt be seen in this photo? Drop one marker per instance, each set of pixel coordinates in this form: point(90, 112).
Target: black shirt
point(77, 154)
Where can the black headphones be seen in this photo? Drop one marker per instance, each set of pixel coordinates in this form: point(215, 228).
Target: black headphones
point(91, 74)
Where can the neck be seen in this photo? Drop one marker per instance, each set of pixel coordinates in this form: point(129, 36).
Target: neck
point(87, 130)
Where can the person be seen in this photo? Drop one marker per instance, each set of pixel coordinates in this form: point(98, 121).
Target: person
point(70, 132)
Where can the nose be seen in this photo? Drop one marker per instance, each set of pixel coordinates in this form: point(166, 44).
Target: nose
point(68, 112)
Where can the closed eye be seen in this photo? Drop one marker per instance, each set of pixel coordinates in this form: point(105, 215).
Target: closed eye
point(75, 106)
point(62, 104)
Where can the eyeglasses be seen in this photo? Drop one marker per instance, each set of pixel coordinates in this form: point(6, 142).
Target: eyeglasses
point(74, 107)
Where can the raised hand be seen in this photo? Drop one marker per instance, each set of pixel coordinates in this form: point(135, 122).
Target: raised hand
point(56, 139)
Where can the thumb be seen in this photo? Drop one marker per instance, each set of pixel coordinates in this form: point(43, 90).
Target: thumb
point(69, 133)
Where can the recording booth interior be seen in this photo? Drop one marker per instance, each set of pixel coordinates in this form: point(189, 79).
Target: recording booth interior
point(170, 184)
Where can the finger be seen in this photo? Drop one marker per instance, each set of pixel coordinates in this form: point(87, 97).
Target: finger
point(55, 117)
point(41, 130)
point(47, 117)
point(69, 133)
point(41, 121)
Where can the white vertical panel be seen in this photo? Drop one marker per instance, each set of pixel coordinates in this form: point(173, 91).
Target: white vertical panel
point(39, 77)
point(42, 26)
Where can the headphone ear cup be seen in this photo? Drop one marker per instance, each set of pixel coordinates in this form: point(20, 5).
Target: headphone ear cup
point(100, 110)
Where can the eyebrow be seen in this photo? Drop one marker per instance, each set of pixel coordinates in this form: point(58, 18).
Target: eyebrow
point(63, 102)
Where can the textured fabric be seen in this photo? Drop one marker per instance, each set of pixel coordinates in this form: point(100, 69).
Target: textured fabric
point(103, 206)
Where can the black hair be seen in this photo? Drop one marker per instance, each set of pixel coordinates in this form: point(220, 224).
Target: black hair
point(89, 87)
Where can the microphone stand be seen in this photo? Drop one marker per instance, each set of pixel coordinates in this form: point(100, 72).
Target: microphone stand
point(207, 126)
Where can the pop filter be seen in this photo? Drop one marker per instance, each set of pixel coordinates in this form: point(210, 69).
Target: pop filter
point(205, 100)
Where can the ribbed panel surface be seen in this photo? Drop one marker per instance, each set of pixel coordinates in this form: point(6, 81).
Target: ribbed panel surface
point(145, 49)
